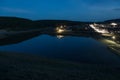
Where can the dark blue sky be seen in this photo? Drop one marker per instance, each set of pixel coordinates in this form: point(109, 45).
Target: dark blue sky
point(78, 10)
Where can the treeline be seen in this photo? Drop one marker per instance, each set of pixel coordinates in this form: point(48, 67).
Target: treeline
point(16, 23)
point(54, 23)
point(21, 23)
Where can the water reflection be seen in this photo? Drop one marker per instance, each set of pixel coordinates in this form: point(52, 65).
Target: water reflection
point(60, 36)
point(112, 41)
point(83, 48)
point(17, 38)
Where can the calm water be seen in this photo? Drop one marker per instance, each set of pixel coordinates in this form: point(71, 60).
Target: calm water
point(80, 49)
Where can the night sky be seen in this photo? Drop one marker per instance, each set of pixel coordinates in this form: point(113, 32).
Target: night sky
point(77, 10)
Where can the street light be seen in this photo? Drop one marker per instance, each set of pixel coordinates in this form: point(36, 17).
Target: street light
point(113, 24)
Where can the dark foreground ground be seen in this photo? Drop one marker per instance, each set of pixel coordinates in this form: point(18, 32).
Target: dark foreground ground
point(30, 67)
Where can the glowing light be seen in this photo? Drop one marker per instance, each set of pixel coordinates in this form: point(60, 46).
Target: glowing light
point(95, 24)
point(98, 30)
point(114, 24)
point(113, 37)
point(109, 35)
point(60, 36)
point(60, 29)
point(109, 41)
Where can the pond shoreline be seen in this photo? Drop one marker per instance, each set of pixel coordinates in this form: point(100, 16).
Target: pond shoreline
point(20, 66)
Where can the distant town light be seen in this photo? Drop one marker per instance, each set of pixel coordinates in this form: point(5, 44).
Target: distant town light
point(60, 29)
point(95, 24)
point(98, 30)
point(113, 24)
point(113, 37)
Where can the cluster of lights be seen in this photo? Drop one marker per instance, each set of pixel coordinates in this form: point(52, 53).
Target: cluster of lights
point(60, 29)
point(93, 26)
point(113, 24)
point(98, 30)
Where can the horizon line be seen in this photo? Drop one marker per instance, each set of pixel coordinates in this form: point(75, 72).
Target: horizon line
point(60, 19)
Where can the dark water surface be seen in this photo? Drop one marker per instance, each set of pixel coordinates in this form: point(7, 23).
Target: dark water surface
point(80, 49)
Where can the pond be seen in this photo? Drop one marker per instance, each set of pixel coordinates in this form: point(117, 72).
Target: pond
point(71, 48)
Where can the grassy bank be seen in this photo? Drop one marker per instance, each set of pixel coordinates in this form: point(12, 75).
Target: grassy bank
point(15, 66)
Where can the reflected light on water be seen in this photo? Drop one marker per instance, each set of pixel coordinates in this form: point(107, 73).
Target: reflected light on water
point(60, 36)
